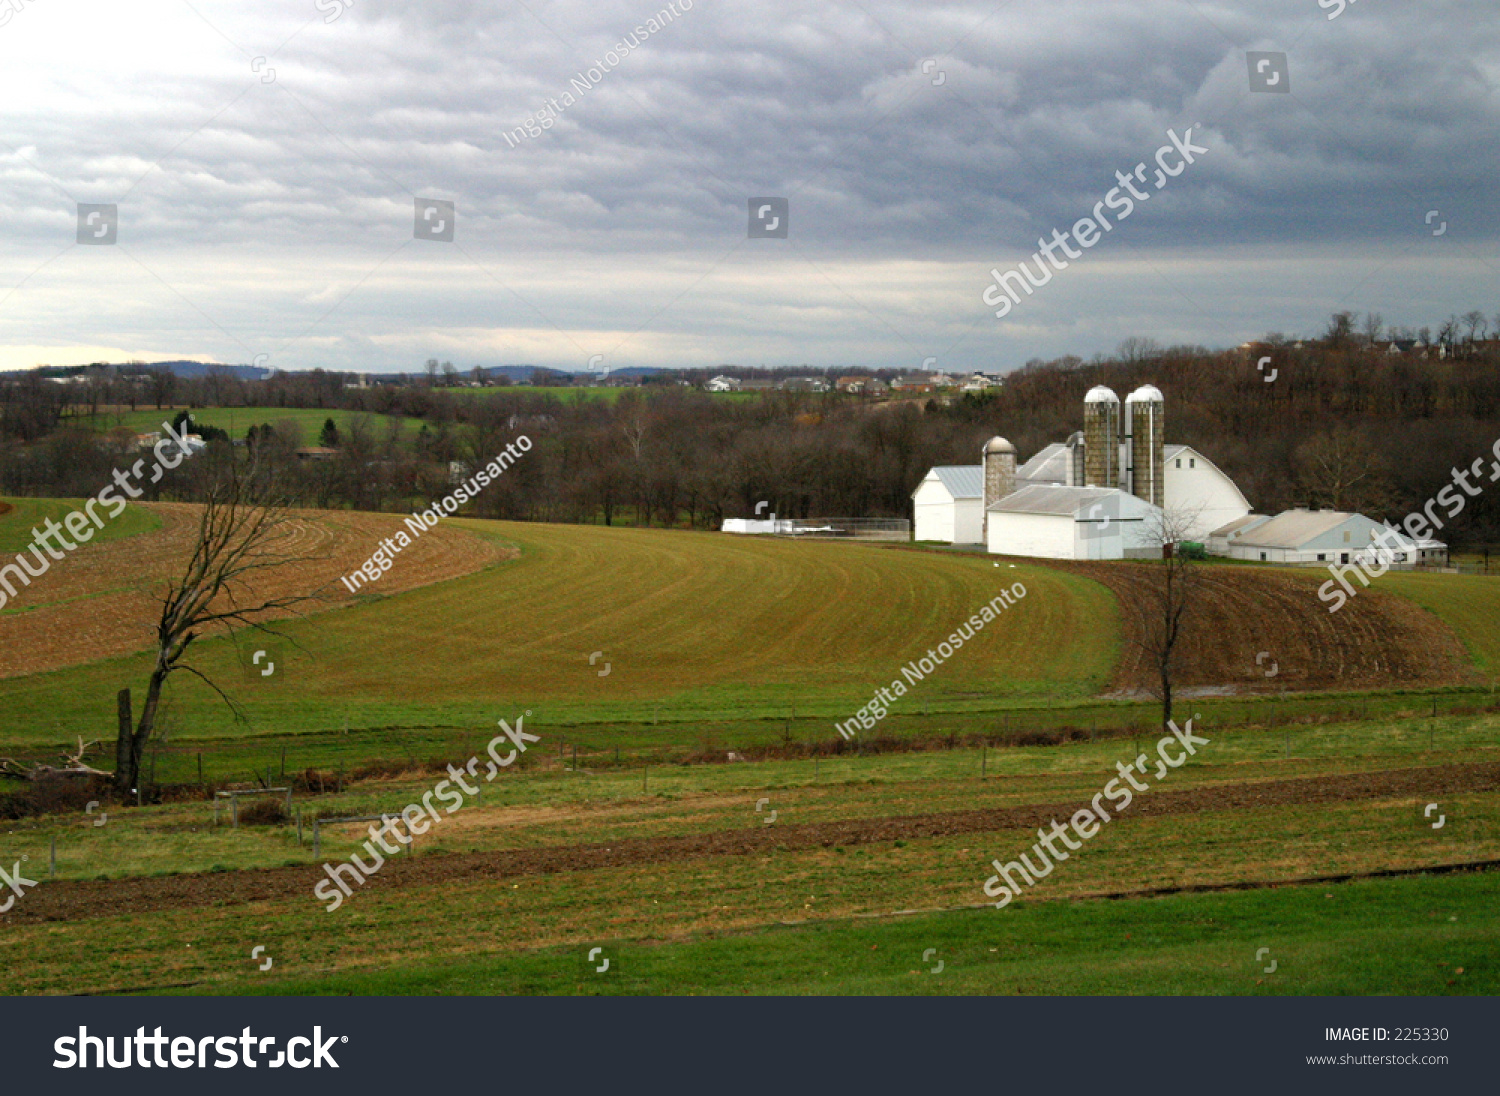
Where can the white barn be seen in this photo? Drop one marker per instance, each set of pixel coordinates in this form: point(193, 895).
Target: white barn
point(1311, 537)
point(1194, 487)
point(1050, 521)
point(948, 505)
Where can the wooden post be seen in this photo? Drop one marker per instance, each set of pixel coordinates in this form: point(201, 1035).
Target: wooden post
point(317, 845)
point(200, 768)
point(283, 762)
point(234, 810)
point(299, 827)
point(289, 801)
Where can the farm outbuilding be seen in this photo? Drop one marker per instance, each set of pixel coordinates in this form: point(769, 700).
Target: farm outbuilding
point(1059, 522)
point(1312, 537)
point(948, 505)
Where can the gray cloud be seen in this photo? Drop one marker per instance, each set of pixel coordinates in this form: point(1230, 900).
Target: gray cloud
point(275, 217)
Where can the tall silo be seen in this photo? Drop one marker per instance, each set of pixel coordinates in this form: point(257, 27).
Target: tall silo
point(1145, 411)
point(1101, 438)
point(999, 460)
point(1076, 450)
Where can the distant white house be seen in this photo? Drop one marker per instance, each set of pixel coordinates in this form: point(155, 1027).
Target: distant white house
point(722, 383)
point(948, 505)
point(1058, 522)
point(1312, 537)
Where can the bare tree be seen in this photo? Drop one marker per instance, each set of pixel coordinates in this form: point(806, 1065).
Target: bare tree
point(1342, 469)
point(1172, 589)
point(242, 534)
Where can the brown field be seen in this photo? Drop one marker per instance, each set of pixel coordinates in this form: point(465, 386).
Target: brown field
point(100, 601)
point(1377, 640)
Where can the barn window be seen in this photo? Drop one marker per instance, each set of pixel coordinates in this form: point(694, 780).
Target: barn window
point(1262, 557)
point(1192, 462)
point(1321, 557)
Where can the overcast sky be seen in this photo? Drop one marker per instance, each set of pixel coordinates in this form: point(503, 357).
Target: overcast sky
point(265, 159)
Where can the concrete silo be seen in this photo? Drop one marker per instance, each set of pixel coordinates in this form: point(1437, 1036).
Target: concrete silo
point(1145, 423)
point(1101, 438)
point(1076, 450)
point(999, 460)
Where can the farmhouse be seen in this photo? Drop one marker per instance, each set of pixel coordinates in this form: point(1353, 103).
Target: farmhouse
point(1123, 455)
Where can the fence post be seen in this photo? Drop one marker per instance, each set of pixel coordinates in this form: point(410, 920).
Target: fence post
point(299, 827)
point(234, 810)
point(289, 801)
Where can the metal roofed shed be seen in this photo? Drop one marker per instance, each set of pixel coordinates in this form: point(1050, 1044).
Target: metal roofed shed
point(1058, 522)
point(948, 505)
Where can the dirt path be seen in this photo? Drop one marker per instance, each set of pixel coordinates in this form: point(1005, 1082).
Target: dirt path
point(69, 901)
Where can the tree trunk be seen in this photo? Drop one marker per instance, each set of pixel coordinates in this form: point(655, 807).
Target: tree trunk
point(124, 767)
point(1166, 699)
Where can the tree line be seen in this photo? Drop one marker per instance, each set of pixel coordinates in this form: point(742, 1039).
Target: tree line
point(1338, 421)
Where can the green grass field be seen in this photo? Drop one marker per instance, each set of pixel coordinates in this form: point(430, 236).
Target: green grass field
point(716, 643)
point(1431, 936)
point(1469, 604)
point(17, 524)
point(236, 421)
point(696, 626)
point(819, 919)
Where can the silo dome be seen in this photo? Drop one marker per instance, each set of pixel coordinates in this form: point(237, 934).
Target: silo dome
point(999, 445)
point(1146, 393)
point(1101, 394)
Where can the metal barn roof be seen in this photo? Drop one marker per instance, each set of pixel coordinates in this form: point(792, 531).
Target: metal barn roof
point(1050, 465)
point(1294, 528)
point(963, 481)
point(1040, 498)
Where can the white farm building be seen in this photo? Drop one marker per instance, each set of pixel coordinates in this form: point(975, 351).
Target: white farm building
point(1311, 537)
point(1118, 467)
point(948, 505)
point(1057, 522)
